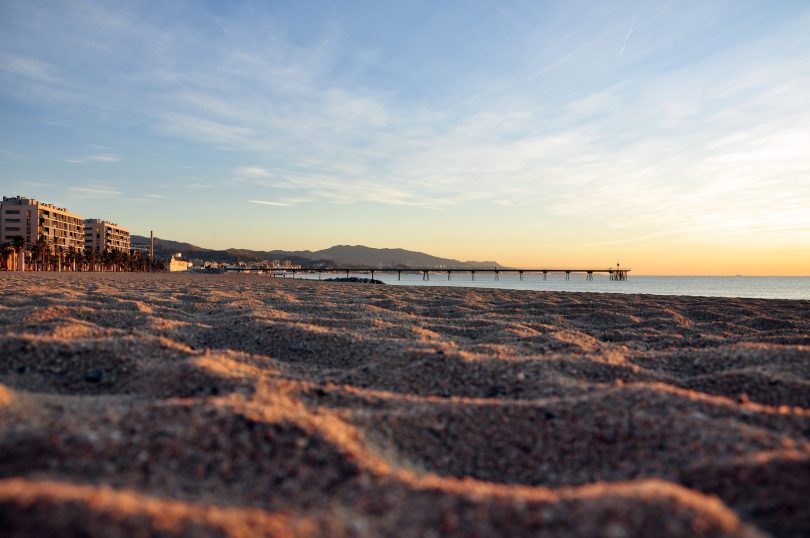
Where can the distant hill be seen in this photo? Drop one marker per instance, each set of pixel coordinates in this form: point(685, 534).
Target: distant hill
point(391, 257)
point(341, 255)
point(165, 245)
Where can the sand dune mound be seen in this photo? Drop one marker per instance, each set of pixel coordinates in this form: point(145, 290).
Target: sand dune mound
point(48, 508)
point(772, 375)
point(618, 434)
point(211, 405)
point(95, 366)
point(777, 488)
point(203, 452)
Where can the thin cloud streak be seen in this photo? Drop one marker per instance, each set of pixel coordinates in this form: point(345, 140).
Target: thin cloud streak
point(266, 202)
point(252, 172)
point(627, 37)
point(97, 158)
point(93, 192)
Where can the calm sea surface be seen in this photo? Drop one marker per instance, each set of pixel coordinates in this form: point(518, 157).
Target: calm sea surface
point(765, 287)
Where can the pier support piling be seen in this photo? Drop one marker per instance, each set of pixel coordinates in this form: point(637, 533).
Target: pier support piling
point(616, 273)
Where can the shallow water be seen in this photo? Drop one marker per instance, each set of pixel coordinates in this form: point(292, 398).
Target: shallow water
point(764, 287)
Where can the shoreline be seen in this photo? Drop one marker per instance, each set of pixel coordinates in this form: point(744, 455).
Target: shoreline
point(509, 285)
point(219, 404)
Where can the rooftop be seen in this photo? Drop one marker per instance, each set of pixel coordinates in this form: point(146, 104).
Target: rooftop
point(100, 221)
point(24, 200)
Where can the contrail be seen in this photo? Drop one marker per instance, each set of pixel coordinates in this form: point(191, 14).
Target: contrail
point(630, 31)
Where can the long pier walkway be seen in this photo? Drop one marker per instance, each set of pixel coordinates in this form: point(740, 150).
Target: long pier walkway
point(615, 273)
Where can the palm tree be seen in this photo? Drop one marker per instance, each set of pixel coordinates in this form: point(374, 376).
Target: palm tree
point(70, 258)
point(90, 258)
point(19, 247)
point(136, 261)
point(141, 261)
point(58, 257)
point(114, 260)
point(123, 260)
point(106, 259)
point(43, 249)
point(6, 253)
point(36, 254)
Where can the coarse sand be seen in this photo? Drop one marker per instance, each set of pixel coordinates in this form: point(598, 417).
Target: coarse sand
point(243, 405)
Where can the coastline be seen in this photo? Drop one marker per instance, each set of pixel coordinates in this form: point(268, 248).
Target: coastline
point(751, 287)
point(218, 404)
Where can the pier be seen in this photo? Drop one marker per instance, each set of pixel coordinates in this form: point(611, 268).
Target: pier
point(617, 273)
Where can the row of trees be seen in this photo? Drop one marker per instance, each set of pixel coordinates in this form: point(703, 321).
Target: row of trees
point(44, 256)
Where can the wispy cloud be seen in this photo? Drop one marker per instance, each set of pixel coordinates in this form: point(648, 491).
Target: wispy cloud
point(252, 172)
point(94, 191)
point(96, 158)
point(627, 37)
point(202, 129)
point(200, 186)
point(30, 68)
point(267, 202)
point(103, 158)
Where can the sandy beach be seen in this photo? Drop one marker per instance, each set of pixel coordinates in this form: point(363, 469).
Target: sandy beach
point(214, 405)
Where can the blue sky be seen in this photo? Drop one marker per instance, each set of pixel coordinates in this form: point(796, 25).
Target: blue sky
point(526, 132)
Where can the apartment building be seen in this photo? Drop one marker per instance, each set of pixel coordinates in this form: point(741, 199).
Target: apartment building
point(31, 219)
point(101, 235)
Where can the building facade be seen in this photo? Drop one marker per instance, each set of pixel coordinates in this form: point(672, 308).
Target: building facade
point(101, 235)
point(31, 219)
point(178, 264)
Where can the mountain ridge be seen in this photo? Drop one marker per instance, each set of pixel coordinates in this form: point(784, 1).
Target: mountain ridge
point(342, 255)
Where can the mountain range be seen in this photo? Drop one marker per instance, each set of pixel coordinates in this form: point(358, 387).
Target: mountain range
point(338, 255)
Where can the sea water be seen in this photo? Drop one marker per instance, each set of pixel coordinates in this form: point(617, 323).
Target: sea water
point(765, 287)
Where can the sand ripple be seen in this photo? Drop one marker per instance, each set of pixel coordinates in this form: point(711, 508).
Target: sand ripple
point(183, 405)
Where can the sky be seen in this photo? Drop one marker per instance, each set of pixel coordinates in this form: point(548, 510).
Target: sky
point(673, 137)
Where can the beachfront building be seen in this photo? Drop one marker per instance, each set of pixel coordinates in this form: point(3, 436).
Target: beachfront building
point(101, 235)
point(31, 220)
point(177, 264)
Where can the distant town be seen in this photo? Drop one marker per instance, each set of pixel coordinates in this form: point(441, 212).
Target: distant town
point(40, 236)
